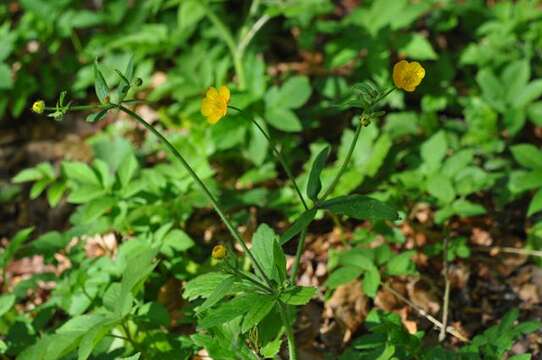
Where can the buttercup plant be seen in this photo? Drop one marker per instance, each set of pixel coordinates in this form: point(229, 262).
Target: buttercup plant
point(238, 292)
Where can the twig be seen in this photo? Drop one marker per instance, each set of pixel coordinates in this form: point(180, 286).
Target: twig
point(511, 250)
point(446, 298)
point(450, 330)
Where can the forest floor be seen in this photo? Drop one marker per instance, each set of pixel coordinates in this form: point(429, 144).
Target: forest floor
point(496, 277)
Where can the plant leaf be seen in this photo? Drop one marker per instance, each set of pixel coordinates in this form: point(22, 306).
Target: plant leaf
point(360, 207)
point(314, 184)
point(299, 224)
point(299, 295)
point(100, 86)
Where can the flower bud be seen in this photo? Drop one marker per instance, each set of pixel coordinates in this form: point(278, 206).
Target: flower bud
point(38, 107)
point(219, 252)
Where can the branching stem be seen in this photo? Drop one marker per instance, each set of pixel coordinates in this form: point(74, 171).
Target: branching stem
point(278, 155)
point(292, 349)
point(203, 187)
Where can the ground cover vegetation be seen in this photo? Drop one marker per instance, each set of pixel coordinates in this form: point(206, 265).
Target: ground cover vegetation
point(289, 179)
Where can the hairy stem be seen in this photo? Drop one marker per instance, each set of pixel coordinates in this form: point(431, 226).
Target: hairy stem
point(277, 153)
point(264, 287)
point(299, 250)
point(81, 107)
point(292, 350)
point(344, 165)
point(203, 187)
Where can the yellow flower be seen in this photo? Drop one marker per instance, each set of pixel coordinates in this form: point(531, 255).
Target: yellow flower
point(215, 105)
point(219, 252)
point(38, 107)
point(408, 75)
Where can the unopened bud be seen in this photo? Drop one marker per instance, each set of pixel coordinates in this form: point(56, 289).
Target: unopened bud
point(219, 252)
point(38, 107)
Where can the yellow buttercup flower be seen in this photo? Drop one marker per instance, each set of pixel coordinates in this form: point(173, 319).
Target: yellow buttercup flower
point(408, 75)
point(215, 105)
point(38, 107)
point(219, 252)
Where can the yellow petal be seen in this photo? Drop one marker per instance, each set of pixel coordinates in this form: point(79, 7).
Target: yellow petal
point(224, 93)
point(399, 70)
point(409, 87)
point(214, 117)
point(419, 70)
point(212, 93)
point(206, 107)
point(408, 76)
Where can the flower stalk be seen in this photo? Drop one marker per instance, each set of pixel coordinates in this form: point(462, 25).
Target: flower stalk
point(203, 187)
point(278, 155)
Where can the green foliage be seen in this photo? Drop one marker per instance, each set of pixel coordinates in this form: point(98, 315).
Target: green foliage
point(360, 207)
point(305, 70)
point(388, 339)
point(314, 185)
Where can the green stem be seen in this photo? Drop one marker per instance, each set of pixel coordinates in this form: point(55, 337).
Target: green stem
point(203, 187)
point(129, 337)
point(353, 146)
point(278, 154)
point(302, 236)
point(345, 162)
point(299, 250)
point(230, 43)
point(81, 107)
point(292, 351)
point(382, 97)
point(254, 281)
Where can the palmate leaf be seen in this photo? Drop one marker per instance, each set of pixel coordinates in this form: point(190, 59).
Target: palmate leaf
point(299, 295)
point(238, 306)
point(218, 294)
point(203, 285)
point(257, 312)
point(83, 331)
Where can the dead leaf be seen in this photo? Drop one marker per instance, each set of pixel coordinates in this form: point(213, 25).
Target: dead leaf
point(481, 237)
point(348, 306)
